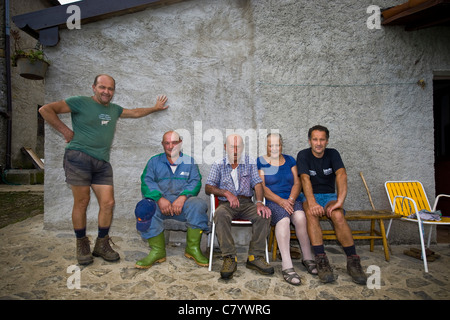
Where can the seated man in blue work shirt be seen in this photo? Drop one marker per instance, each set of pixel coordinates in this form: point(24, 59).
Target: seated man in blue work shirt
point(170, 183)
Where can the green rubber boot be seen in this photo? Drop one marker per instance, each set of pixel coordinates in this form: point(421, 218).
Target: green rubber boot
point(193, 251)
point(157, 252)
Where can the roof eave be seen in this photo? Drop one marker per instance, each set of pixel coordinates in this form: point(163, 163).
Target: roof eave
point(44, 24)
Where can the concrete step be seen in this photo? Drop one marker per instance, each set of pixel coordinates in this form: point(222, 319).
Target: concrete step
point(23, 176)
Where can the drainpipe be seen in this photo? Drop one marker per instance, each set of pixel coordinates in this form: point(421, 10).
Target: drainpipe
point(8, 85)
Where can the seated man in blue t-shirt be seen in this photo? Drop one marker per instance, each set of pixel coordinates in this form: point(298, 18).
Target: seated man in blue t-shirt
point(320, 170)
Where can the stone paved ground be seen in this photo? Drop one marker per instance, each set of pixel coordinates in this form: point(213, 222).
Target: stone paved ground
point(34, 265)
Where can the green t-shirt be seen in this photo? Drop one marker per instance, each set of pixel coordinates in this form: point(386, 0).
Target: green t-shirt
point(93, 125)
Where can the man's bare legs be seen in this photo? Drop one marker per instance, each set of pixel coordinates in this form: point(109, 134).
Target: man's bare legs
point(105, 198)
point(81, 198)
point(343, 231)
point(345, 238)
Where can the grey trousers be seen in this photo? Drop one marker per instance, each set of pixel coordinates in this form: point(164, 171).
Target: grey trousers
point(246, 210)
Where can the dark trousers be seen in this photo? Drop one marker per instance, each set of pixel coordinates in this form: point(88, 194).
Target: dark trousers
point(246, 210)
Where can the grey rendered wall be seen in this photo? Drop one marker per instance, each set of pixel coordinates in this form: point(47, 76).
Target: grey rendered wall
point(255, 66)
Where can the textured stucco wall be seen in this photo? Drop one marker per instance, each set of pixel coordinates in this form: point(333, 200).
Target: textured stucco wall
point(256, 66)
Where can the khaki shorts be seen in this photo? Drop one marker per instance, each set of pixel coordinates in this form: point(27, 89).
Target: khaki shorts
point(83, 170)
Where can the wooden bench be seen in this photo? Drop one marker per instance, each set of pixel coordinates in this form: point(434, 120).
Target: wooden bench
point(371, 234)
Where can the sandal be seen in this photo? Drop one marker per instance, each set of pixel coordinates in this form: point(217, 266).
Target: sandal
point(310, 266)
point(289, 275)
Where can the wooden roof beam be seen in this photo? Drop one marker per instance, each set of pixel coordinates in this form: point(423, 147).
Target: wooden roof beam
point(44, 24)
point(426, 14)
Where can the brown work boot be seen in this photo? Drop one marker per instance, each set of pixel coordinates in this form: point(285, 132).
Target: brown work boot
point(104, 250)
point(84, 255)
point(324, 269)
point(259, 264)
point(355, 270)
point(229, 267)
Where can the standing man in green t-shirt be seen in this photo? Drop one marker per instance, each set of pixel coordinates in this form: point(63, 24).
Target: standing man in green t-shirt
point(86, 159)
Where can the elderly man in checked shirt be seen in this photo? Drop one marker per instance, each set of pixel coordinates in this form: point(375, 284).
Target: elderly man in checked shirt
point(233, 180)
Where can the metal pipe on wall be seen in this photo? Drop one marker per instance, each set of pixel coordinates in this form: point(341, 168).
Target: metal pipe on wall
point(8, 84)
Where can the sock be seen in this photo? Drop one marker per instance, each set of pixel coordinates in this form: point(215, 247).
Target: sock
point(80, 233)
point(103, 232)
point(319, 249)
point(350, 251)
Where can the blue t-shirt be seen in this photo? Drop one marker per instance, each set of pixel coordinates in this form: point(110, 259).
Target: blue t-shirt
point(278, 179)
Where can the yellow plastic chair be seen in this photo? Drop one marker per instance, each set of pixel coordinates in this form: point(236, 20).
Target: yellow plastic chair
point(408, 197)
point(235, 222)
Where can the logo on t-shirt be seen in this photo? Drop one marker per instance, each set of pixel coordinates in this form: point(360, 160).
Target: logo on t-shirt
point(327, 171)
point(104, 119)
point(312, 173)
